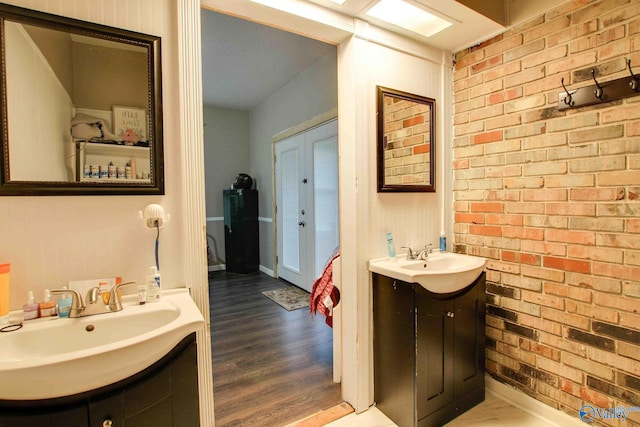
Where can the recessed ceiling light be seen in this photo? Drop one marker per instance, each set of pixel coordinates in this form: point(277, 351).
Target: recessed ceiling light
point(408, 16)
point(338, 1)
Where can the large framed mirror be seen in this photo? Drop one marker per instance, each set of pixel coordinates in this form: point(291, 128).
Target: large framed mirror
point(81, 107)
point(406, 141)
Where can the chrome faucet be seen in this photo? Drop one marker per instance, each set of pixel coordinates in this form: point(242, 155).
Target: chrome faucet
point(424, 253)
point(94, 302)
point(410, 254)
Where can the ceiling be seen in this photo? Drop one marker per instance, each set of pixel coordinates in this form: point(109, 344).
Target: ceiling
point(243, 62)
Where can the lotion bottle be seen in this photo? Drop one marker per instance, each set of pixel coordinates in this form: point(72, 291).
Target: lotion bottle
point(64, 304)
point(390, 246)
point(30, 309)
point(153, 285)
point(47, 308)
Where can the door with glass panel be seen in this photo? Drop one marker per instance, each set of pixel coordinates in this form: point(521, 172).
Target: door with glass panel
point(306, 171)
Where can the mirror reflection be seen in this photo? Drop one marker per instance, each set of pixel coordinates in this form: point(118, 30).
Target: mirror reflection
point(81, 107)
point(406, 142)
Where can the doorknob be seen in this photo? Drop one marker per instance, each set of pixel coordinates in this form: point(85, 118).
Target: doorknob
point(302, 223)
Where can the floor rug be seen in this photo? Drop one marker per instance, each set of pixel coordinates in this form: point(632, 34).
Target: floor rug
point(290, 298)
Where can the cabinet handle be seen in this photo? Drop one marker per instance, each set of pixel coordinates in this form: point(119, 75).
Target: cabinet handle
point(450, 314)
point(107, 423)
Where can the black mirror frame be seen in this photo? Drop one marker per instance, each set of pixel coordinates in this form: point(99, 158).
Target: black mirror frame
point(60, 23)
point(387, 188)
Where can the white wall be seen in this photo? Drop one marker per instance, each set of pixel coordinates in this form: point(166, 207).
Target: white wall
point(365, 215)
point(312, 92)
point(39, 113)
point(226, 154)
point(51, 240)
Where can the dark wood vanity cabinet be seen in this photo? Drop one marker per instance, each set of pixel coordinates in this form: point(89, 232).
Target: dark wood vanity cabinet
point(163, 395)
point(428, 351)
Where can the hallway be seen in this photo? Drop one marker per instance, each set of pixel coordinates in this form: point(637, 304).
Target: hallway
point(270, 366)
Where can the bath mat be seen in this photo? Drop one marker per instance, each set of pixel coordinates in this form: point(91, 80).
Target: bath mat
point(289, 298)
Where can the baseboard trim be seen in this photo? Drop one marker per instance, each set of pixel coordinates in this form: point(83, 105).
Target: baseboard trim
point(551, 416)
point(267, 271)
point(217, 267)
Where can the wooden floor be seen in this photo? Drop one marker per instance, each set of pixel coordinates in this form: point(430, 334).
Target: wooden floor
point(271, 367)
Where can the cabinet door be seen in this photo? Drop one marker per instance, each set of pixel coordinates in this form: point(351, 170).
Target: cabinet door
point(76, 417)
point(434, 352)
point(470, 339)
point(107, 408)
point(37, 417)
point(25, 420)
point(394, 355)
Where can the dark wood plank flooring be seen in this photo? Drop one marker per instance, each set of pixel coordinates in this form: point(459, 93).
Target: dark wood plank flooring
point(271, 366)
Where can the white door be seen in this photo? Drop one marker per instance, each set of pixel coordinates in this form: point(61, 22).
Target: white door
point(307, 203)
point(289, 215)
point(326, 238)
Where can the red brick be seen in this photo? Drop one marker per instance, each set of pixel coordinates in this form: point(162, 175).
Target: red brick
point(483, 138)
point(469, 218)
point(487, 63)
point(469, 59)
point(422, 149)
point(596, 398)
point(485, 230)
point(417, 120)
point(507, 95)
point(567, 264)
point(521, 258)
point(633, 225)
point(487, 207)
point(461, 164)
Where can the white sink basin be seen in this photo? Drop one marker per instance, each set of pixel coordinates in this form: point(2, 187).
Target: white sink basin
point(54, 357)
point(442, 273)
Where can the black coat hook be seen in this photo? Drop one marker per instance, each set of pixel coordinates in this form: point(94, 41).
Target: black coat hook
point(599, 92)
point(568, 98)
point(633, 84)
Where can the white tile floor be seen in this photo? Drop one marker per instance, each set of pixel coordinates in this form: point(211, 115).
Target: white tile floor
point(493, 412)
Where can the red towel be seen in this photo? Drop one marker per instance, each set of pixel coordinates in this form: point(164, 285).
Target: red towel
point(324, 295)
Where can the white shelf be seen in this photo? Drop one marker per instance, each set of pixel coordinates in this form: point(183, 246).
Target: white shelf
point(114, 149)
point(96, 153)
point(116, 180)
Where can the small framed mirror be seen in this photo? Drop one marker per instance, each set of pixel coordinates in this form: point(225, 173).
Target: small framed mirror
point(406, 142)
point(81, 109)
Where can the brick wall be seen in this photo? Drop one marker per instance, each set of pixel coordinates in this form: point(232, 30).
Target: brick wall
point(407, 133)
point(552, 199)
